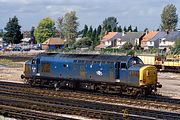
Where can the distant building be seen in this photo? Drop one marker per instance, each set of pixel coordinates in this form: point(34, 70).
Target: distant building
point(53, 43)
point(26, 34)
point(134, 38)
point(109, 40)
point(154, 42)
point(169, 40)
point(145, 41)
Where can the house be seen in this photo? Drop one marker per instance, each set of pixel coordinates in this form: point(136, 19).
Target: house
point(169, 40)
point(154, 42)
point(147, 37)
point(132, 37)
point(109, 40)
point(53, 43)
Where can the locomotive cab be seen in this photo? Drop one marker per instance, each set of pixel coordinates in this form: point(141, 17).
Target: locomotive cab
point(31, 68)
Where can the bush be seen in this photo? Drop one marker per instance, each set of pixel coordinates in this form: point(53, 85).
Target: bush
point(127, 46)
point(131, 52)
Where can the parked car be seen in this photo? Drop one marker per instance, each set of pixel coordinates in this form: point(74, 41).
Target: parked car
point(26, 49)
point(17, 49)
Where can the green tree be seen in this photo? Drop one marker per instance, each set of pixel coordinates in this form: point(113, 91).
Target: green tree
point(127, 46)
point(89, 33)
point(135, 29)
point(44, 30)
point(83, 42)
point(1, 32)
point(115, 29)
point(109, 24)
point(98, 35)
point(85, 30)
point(32, 35)
point(146, 30)
point(125, 29)
point(109, 29)
point(129, 29)
point(119, 29)
point(177, 43)
point(13, 31)
point(94, 38)
point(68, 26)
point(169, 18)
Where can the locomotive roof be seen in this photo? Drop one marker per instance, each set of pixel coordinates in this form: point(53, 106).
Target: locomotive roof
point(96, 57)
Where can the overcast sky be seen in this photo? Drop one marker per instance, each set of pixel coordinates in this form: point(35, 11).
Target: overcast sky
point(140, 13)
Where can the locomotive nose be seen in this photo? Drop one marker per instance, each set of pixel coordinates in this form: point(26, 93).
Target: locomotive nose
point(148, 76)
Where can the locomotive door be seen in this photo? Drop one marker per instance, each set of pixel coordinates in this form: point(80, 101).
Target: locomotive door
point(117, 67)
point(124, 73)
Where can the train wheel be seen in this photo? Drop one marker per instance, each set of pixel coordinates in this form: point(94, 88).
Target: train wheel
point(56, 86)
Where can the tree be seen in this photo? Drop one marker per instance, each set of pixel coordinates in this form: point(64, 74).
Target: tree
point(109, 24)
point(33, 40)
point(98, 34)
point(1, 32)
point(13, 31)
point(177, 43)
point(94, 37)
point(68, 26)
point(135, 29)
point(146, 30)
point(115, 29)
point(89, 33)
point(169, 18)
point(119, 29)
point(85, 30)
point(44, 30)
point(127, 46)
point(125, 29)
point(99, 30)
point(83, 42)
point(129, 29)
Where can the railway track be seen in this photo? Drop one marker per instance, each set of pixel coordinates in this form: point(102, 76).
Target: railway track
point(152, 101)
point(21, 113)
point(153, 98)
point(73, 103)
point(109, 111)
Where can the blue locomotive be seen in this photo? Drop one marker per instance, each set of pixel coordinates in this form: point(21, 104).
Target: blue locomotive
point(122, 74)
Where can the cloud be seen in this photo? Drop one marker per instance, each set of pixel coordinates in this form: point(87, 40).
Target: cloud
point(139, 13)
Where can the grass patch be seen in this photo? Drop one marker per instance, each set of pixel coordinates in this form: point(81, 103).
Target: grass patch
point(5, 60)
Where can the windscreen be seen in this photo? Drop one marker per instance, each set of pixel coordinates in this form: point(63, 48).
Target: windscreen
point(135, 61)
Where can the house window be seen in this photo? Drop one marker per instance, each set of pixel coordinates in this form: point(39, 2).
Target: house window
point(150, 42)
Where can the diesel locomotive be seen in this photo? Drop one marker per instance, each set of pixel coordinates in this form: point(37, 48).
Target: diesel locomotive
point(120, 74)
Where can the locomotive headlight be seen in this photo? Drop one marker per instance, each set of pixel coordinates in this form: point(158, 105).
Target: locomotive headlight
point(147, 72)
point(143, 81)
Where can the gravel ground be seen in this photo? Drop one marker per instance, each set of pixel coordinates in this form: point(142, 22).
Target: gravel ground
point(11, 71)
point(171, 84)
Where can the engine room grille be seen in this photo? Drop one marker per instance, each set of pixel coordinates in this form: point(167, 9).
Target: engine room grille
point(45, 67)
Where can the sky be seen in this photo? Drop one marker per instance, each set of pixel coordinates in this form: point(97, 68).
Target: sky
point(140, 13)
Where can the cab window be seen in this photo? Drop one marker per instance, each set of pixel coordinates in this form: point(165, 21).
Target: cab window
point(134, 61)
point(123, 66)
